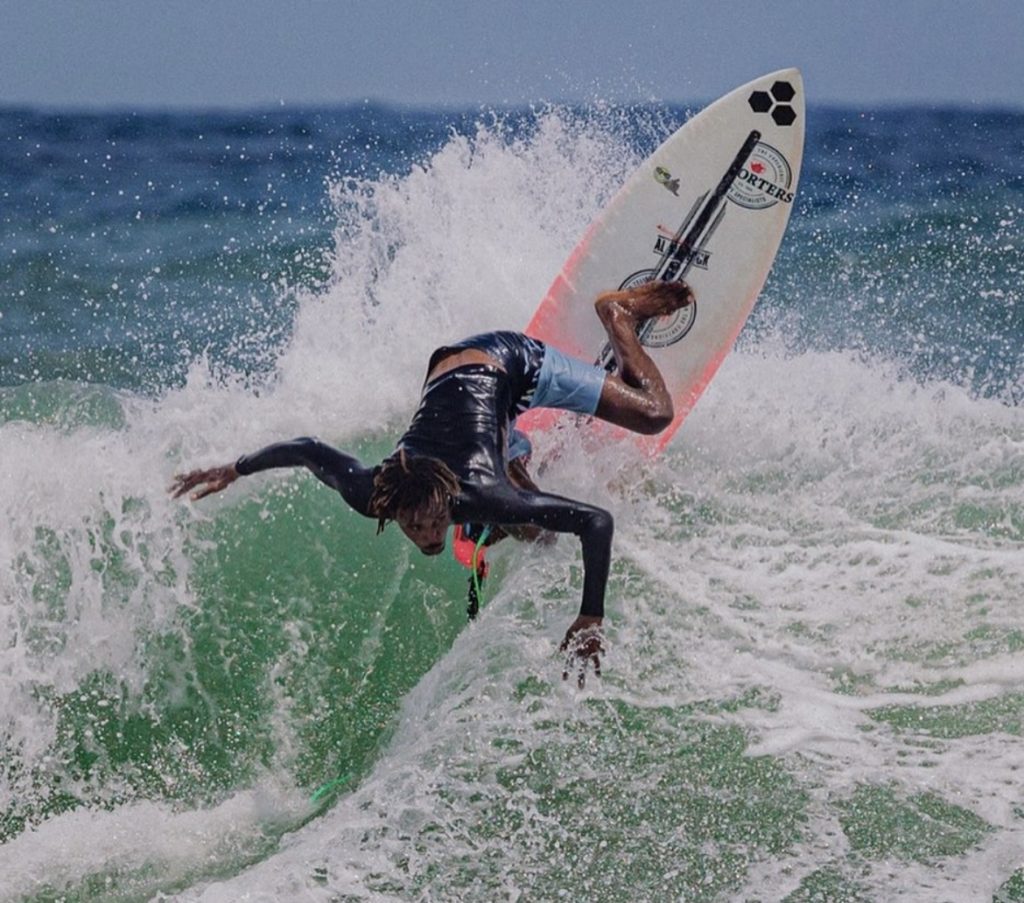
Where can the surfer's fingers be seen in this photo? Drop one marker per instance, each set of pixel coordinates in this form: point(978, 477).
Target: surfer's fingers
point(581, 669)
point(579, 661)
point(573, 664)
point(185, 482)
point(578, 665)
point(214, 478)
point(182, 483)
point(212, 486)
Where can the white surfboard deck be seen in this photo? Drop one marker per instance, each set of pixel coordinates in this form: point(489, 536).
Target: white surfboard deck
point(709, 205)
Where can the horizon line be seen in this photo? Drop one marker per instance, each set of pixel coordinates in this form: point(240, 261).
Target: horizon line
point(282, 106)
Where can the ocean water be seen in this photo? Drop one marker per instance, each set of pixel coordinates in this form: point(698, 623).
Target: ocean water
point(813, 689)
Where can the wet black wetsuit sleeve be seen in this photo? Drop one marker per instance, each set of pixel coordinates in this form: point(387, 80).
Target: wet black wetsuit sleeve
point(505, 504)
point(338, 470)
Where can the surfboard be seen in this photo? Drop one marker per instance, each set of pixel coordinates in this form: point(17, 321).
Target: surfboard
point(710, 206)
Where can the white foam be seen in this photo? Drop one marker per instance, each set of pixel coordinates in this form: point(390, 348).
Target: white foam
point(813, 533)
point(143, 842)
point(784, 582)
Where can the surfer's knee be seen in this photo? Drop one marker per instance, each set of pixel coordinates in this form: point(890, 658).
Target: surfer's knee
point(608, 308)
point(652, 418)
point(654, 423)
point(646, 408)
point(648, 421)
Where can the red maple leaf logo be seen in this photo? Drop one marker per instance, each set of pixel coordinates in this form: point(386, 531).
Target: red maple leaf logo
point(757, 167)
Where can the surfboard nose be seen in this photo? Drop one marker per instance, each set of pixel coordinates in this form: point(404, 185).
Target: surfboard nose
point(778, 95)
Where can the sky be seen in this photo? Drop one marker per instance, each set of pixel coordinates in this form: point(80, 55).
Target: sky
point(145, 54)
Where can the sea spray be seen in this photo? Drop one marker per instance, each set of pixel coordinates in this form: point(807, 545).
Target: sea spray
point(166, 659)
point(813, 642)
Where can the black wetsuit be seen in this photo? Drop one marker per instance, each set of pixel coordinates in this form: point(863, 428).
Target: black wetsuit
point(463, 419)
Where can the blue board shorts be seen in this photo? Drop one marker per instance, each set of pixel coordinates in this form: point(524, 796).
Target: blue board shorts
point(566, 383)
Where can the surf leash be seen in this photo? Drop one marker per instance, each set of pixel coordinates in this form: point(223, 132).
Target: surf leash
point(324, 789)
point(474, 560)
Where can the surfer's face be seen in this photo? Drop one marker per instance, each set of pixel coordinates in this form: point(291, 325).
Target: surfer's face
point(426, 527)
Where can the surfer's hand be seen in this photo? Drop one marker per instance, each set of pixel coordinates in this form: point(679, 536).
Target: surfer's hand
point(584, 644)
point(209, 481)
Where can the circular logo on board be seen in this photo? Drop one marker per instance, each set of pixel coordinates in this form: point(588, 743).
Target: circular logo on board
point(667, 330)
point(765, 180)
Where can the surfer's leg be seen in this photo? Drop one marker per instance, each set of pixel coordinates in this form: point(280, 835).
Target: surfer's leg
point(635, 396)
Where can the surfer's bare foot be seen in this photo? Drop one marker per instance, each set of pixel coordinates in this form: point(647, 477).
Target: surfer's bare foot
point(652, 299)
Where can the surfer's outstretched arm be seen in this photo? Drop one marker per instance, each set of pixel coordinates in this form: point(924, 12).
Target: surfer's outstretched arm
point(342, 472)
point(594, 526)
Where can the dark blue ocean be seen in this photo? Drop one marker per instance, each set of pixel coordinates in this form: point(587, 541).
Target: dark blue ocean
point(813, 688)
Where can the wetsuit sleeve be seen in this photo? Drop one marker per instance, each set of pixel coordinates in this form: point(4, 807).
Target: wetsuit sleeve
point(594, 526)
point(338, 470)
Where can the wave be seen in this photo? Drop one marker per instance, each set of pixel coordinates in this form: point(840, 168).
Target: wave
point(813, 634)
point(812, 618)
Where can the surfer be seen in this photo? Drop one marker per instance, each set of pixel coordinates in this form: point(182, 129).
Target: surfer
point(454, 464)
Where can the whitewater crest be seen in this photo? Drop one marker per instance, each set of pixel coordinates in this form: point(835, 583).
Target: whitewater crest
point(812, 611)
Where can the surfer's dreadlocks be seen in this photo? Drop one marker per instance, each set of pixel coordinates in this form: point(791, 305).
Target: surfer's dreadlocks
point(405, 483)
